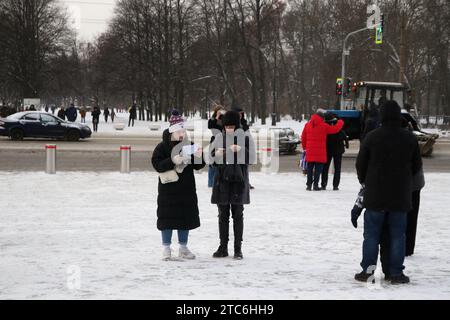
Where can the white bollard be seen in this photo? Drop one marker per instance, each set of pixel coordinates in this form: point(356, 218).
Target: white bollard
point(51, 158)
point(125, 155)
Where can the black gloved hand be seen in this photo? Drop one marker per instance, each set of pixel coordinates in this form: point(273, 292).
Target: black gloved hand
point(356, 212)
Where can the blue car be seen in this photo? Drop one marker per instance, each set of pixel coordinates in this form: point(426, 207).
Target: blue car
point(36, 124)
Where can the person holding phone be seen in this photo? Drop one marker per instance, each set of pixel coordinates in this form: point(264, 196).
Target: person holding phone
point(232, 152)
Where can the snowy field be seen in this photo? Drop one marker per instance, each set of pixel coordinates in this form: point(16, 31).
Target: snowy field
point(93, 236)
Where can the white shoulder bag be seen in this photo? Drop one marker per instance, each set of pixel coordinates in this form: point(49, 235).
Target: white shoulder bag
point(168, 176)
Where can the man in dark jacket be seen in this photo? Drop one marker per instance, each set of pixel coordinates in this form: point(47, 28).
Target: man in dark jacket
point(388, 159)
point(95, 118)
point(336, 144)
point(133, 114)
point(106, 114)
point(71, 113)
point(232, 152)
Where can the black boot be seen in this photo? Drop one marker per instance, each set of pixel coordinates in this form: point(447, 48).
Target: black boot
point(363, 277)
point(401, 279)
point(224, 226)
point(221, 252)
point(238, 251)
point(238, 228)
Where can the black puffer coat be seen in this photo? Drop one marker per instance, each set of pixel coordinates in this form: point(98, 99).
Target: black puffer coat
point(177, 201)
point(225, 192)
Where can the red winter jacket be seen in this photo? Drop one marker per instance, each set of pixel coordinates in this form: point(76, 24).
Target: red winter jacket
point(314, 138)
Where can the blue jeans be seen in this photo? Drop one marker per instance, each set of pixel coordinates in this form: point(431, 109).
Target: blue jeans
point(211, 172)
point(314, 171)
point(167, 237)
point(373, 226)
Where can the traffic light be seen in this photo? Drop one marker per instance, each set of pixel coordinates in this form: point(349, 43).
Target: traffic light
point(379, 31)
point(339, 86)
point(348, 85)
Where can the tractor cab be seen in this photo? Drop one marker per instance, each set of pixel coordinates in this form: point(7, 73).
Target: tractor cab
point(367, 94)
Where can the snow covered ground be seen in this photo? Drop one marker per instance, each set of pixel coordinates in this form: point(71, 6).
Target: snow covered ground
point(93, 236)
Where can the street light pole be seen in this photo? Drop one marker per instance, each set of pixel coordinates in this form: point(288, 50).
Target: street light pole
point(345, 52)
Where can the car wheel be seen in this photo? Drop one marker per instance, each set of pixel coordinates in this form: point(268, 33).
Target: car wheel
point(73, 135)
point(17, 134)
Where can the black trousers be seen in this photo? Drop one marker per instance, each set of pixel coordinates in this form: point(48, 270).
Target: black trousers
point(314, 170)
point(337, 161)
point(95, 123)
point(131, 120)
point(411, 230)
point(237, 213)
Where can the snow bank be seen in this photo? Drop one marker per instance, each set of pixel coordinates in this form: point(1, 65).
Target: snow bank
point(297, 244)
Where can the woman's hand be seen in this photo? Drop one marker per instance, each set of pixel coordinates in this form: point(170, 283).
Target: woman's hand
point(198, 153)
point(219, 152)
point(235, 148)
point(177, 159)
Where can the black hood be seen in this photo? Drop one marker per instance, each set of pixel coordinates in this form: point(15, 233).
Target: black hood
point(391, 114)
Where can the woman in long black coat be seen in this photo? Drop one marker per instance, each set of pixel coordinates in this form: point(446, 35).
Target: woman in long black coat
point(231, 188)
point(177, 201)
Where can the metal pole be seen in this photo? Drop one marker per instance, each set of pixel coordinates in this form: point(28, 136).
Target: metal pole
point(51, 159)
point(125, 152)
point(344, 49)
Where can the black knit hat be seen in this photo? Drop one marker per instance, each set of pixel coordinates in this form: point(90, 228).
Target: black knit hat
point(231, 118)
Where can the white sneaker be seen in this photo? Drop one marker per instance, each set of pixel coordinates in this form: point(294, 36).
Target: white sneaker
point(167, 253)
point(185, 253)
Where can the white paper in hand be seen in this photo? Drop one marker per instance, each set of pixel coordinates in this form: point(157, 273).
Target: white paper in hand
point(190, 150)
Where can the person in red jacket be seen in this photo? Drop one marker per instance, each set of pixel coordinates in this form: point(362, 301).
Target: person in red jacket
point(314, 142)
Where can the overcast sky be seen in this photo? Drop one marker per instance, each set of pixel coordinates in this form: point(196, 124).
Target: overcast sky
point(90, 17)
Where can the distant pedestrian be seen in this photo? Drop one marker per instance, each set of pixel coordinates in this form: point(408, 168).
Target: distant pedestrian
point(106, 114)
point(71, 113)
point(132, 116)
point(95, 118)
point(62, 113)
point(113, 115)
point(83, 115)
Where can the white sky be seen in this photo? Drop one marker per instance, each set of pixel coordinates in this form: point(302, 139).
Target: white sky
point(89, 17)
